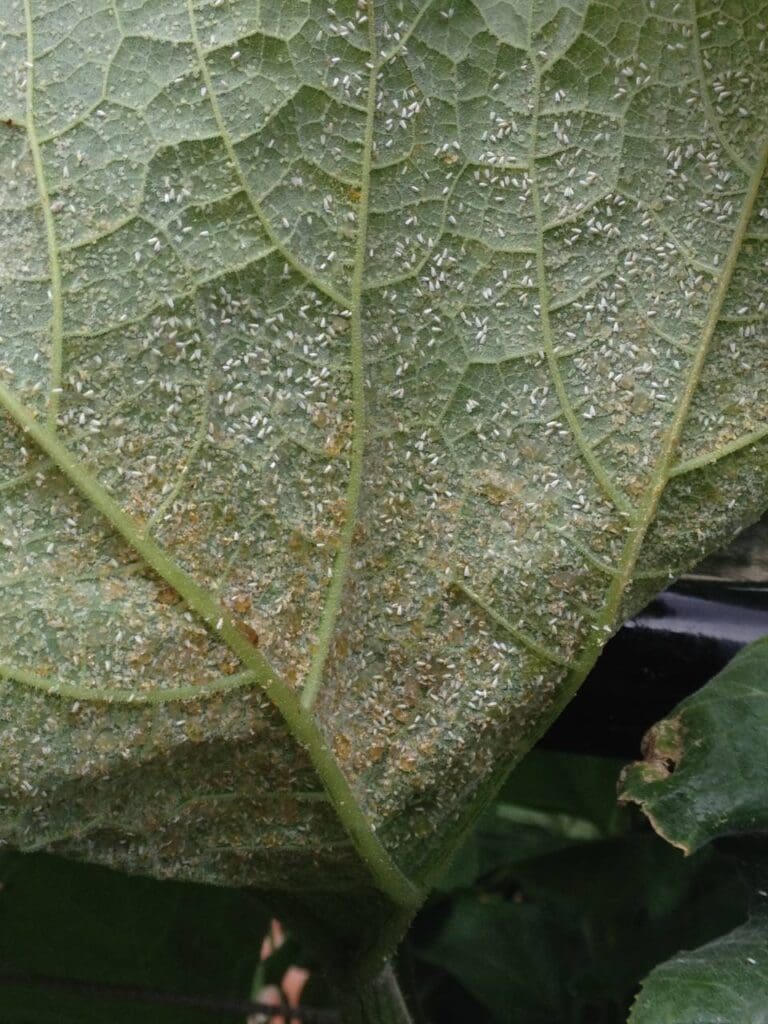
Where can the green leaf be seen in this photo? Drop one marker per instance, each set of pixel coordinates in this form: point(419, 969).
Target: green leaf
point(724, 982)
point(705, 772)
point(705, 776)
point(550, 802)
point(364, 366)
point(510, 957)
point(595, 913)
point(73, 921)
point(577, 929)
point(578, 786)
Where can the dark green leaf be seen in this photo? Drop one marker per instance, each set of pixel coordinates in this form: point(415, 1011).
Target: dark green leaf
point(549, 802)
point(705, 772)
point(600, 911)
point(74, 921)
point(512, 958)
point(724, 982)
point(577, 787)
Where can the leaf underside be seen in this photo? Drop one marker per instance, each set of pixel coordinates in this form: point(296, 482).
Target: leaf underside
point(364, 366)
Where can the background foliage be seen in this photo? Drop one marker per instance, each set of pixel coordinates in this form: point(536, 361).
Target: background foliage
point(553, 911)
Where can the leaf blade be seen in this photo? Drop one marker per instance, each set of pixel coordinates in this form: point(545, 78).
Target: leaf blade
point(720, 983)
point(348, 476)
point(705, 771)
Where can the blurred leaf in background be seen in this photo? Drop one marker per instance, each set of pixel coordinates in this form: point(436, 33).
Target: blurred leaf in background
point(70, 921)
point(561, 901)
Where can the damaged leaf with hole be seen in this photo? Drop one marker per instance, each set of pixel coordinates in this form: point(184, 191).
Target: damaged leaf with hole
point(705, 768)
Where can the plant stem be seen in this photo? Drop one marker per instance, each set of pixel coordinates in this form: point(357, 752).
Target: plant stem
point(375, 1000)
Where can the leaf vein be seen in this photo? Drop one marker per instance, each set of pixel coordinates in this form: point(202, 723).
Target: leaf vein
point(301, 268)
point(383, 869)
point(599, 472)
point(57, 299)
point(332, 604)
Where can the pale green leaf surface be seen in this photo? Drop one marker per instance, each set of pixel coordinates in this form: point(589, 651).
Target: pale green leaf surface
point(705, 772)
point(724, 982)
point(427, 339)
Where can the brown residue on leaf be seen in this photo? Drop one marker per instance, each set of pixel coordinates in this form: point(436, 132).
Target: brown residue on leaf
point(248, 632)
point(662, 748)
point(240, 604)
point(497, 488)
point(341, 746)
point(341, 646)
point(335, 444)
point(195, 640)
point(140, 658)
point(114, 589)
point(168, 595)
point(636, 486)
point(375, 752)
point(406, 761)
